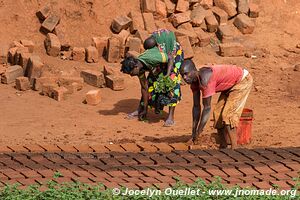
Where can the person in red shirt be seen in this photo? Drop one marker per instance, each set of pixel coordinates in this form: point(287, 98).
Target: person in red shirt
point(233, 82)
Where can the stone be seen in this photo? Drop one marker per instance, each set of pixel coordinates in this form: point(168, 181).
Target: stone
point(243, 6)
point(59, 93)
point(120, 23)
point(29, 44)
point(148, 6)
point(44, 12)
point(133, 44)
point(40, 82)
point(226, 33)
point(4, 48)
point(186, 45)
point(204, 38)
point(190, 33)
point(50, 23)
point(113, 52)
point(161, 9)
point(244, 24)
point(229, 6)
point(182, 6)
point(11, 74)
point(180, 18)
point(78, 54)
point(198, 15)
point(137, 21)
point(101, 44)
point(22, 83)
point(211, 22)
point(149, 22)
point(115, 82)
point(93, 97)
point(52, 45)
point(34, 68)
point(220, 15)
point(233, 49)
point(92, 54)
point(93, 78)
point(170, 7)
point(253, 10)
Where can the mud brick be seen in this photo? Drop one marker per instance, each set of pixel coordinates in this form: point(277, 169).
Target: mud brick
point(166, 179)
point(229, 6)
point(67, 148)
point(118, 174)
point(161, 186)
point(34, 68)
point(149, 22)
point(144, 185)
point(27, 181)
point(180, 18)
point(20, 50)
point(11, 55)
point(291, 164)
point(93, 78)
point(5, 149)
point(45, 84)
point(186, 45)
point(83, 148)
point(262, 185)
point(163, 147)
point(130, 185)
point(220, 15)
point(111, 185)
point(226, 33)
point(176, 159)
point(264, 177)
point(165, 172)
point(133, 180)
point(82, 173)
point(137, 21)
point(211, 22)
point(150, 173)
point(148, 147)
point(132, 53)
point(244, 24)
point(111, 69)
point(115, 147)
point(92, 54)
point(101, 44)
point(215, 171)
point(232, 49)
point(253, 10)
point(245, 169)
point(73, 84)
point(131, 147)
point(113, 53)
point(230, 170)
point(59, 93)
point(243, 6)
point(198, 15)
point(60, 32)
point(24, 59)
point(170, 7)
point(120, 23)
point(262, 169)
point(160, 159)
point(11, 74)
point(30, 174)
point(50, 23)
point(281, 184)
point(78, 54)
point(44, 12)
point(184, 173)
point(190, 33)
point(149, 180)
point(62, 180)
point(29, 44)
point(142, 34)
point(50, 148)
point(206, 3)
point(281, 177)
point(182, 6)
point(22, 83)
point(148, 6)
point(12, 174)
point(16, 44)
point(133, 173)
point(278, 167)
point(161, 9)
point(93, 97)
point(99, 148)
point(204, 38)
point(133, 44)
point(127, 161)
point(115, 82)
point(179, 146)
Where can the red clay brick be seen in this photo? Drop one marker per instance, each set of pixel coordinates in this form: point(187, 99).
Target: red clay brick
point(4, 149)
point(166, 172)
point(83, 148)
point(246, 169)
point(150, 173)
point(130, 185)
point(184, 173)
point(262, 185)
point(165, 179)
point(127, 161)
point(214, 171)
point(31, 174)
point(99, 148)
point(63, 180)
point(249, 179)
point(66, 173)
point(280, 176)
point(116, 174)
point(229, 170)
point(133, 180)
point(164, 147)
point(143, 160)
point(110, 161)
point(82, 173)
point(133, 173)
point(147, 147)
point(161, 186)
point(12, 174)
point(111, 185)
point(149, 180)
point(19, 149)
point(115, 147)
point(85, 180)
point(51, 148)
point(46, 173)
point(76, 161)
point(199, 173)
point(180, 146)
point(131, 147)
point(144, 185)
point(67, 148)
point(160, 159)
point(27, 182)
point(116, 179)
point(34, 148)
point(264, 177)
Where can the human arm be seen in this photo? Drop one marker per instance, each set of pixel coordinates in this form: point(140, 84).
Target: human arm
point(144, 92)
point(196, 112)
point(205, 115)
point(170, 64)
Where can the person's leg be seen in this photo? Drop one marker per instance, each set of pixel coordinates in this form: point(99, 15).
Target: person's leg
point(135, 113)
point(232, 135)
point(170, 120)
point(223, 143)
point(218, 122)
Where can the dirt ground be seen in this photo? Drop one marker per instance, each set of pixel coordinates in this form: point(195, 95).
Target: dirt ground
point(29, 118)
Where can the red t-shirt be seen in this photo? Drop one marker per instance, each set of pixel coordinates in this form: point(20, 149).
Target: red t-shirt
point(223, 78)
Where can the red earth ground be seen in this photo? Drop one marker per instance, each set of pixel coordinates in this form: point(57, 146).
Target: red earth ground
point(28, 118)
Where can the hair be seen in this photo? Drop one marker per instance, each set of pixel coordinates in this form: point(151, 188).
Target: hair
point(150, 42)
point(188, 65)
point(128, 64)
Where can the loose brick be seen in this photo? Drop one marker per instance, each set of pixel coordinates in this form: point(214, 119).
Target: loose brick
point(180, 18)
point(244, 24)
point(186, 45)
point(206, 3)
point(50, 23)
point(148, 147)
point(148, 6)
point(161, 9)
point(78, 54)
point(16, 44)
point(170, 7)
point(113, 54)
point(204, 38)
point(253, 10)
point(94, 78)
point(73, 84)
point(29, 44)
point(133, 44)
point(17, 57)
point(59, 93)
point(243, 6)
point(93, 97)
point(182, 6)
point(4, 48)
point(142, 34)
point(149, 22)
point(111, 69)
point(120, 23)
point(101, 44)
point(44, 12)
point(34, 68)
point(60, 32)
point(193, 38)
point(115, 82)
point(226, 33)
point(179, 146)
point(198, 15)
point(39, 82)
point(231, 49)
point(92, 54)
point(163, 147)
point(220, 15)
point(11, 74)
point(131, 147)
point(24, 59)
point(122, 37)
point(211, 22)
point(52, 45)
point(229, 6)
point(137, 21)
point(22, 83)
point(11, 55)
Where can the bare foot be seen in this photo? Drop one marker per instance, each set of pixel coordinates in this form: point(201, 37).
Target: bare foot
point(169, 123)
point(133, 115)
point(190, 142)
